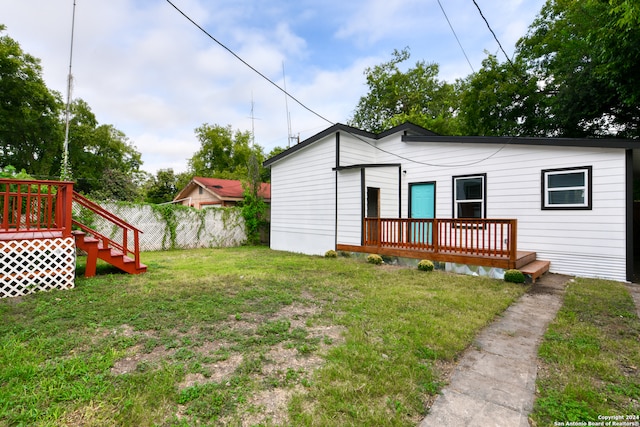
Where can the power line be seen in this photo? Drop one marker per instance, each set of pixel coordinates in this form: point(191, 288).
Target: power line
point(456, 36)
point(249, 65)
point(494, 34)
point(318, 114)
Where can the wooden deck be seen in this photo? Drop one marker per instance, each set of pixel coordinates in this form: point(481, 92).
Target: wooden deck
point(481, 242)
point(522, 258)
point(31, 235)
point(485, 242)
point(43, 210)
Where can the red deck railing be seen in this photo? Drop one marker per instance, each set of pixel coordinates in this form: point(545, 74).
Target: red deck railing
point(44, 209)
point(32, 206)
point(124, 229)
point(457, 236)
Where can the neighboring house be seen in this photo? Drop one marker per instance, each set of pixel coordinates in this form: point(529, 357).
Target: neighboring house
point(214, 192)
point(473, 200)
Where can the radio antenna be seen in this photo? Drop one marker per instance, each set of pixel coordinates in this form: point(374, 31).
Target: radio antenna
point(65, 173)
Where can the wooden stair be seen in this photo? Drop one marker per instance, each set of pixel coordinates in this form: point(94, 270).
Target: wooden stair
point(535, 269)
point(96, 249)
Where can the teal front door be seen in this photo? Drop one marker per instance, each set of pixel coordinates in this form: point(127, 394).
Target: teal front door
point(422, 201)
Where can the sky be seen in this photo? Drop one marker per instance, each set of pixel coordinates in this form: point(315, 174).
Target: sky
point(145, 69)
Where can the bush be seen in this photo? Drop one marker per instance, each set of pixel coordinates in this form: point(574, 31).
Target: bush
point(331, 254)
point(514, 276)
point(374, 259)
point(425, 265)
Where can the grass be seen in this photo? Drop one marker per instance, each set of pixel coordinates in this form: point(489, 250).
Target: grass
point(591, 357)
point(240, 336)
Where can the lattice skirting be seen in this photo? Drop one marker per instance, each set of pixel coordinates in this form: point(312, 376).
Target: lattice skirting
point(28, 266)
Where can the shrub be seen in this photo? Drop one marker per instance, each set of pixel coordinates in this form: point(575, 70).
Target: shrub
point(514, 276)
point(425, 265)
point(374, 259)
point(331, 254)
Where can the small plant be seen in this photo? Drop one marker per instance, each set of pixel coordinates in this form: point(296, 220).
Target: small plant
point(331, 254)
point(374, 259)
point(425, 265)
point(514, 276)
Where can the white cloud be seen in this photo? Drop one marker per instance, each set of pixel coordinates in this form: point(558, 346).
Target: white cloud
point(144, 68)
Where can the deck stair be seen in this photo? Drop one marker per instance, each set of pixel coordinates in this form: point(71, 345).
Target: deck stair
point(535, 269)
point(123, 253)
point(96, 249)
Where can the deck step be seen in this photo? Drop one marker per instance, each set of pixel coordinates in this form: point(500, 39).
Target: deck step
point(536, 269)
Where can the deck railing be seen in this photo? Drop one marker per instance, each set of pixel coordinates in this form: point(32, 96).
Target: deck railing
point(457, 236)
point(35, 206)
point(122, 229)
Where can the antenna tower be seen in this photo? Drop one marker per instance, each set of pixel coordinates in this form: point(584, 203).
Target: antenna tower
point(65, 173)
point(286, 105)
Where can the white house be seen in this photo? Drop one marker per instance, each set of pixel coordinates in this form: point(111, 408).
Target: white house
point(570, 200)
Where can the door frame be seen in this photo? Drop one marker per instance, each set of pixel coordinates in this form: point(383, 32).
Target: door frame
point(415, 231)
point(411, 184)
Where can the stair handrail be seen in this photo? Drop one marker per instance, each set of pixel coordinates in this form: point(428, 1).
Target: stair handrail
point(106, 241)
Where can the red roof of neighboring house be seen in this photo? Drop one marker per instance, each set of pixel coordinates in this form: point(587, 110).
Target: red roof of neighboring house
point(230, 188)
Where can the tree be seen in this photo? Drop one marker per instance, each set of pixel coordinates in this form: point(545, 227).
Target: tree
point(585, 54)
point(30, 128)
point(415, 95)
point(162, 187)
point(99, 153)
point(253, 206)
point(501, 99)
point(223, 153)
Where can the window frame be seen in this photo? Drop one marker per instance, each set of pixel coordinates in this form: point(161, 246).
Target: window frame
point(483, 200)
point(587, 187)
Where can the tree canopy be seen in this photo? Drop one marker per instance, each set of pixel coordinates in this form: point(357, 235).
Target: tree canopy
point(104, 163)
point(223, 153)
point(576, 73)
point(415, 95)
point(30, 127)
point(585, 54)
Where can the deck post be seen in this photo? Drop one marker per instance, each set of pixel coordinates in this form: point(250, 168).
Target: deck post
point(67, 206)
point(513, 242)
point(435, 238)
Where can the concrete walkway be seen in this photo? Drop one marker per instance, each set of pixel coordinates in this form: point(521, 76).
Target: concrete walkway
point(494, 383)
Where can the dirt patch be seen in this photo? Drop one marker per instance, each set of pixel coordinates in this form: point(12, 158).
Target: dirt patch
point(280, 359)
point(271, 405)
point(136, 356)
point(297, 313)
point(331, 335)
point(550, 283)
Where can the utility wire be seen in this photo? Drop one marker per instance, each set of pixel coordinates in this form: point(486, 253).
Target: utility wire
point(321, 116)
point(456, 36)
point(494, 34)
point(249, 65)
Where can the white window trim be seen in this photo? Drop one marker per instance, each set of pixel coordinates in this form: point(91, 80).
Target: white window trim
point(482, 201)
point(586, 203)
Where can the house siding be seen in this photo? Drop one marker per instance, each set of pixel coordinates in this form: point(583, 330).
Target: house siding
point(355, 150)
point(350, 207)
point(588, 243)
point(303, 200)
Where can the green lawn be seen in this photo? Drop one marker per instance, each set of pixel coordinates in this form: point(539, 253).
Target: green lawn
point(240, 336)
point(591, 358)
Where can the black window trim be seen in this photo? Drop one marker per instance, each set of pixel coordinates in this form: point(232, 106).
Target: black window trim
point(484, 193)
point(588, 188)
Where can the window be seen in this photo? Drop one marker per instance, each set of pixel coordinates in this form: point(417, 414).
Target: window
point(566, 188)
point(469, 196)
point(200, 190)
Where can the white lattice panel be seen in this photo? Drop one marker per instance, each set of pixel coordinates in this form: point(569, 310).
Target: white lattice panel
point(28, 266)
